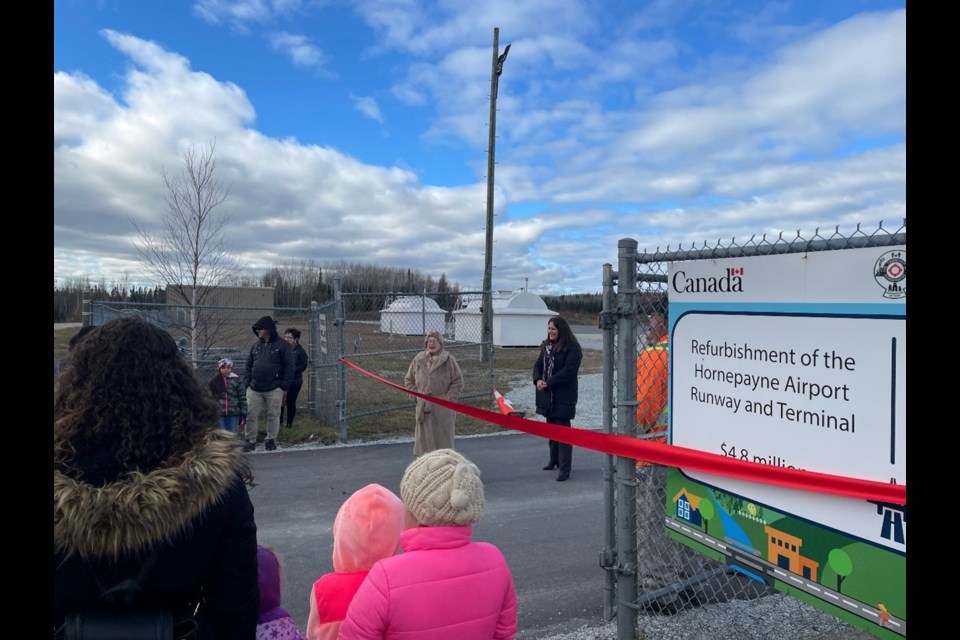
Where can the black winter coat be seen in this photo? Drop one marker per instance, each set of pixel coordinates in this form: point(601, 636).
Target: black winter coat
point(302, 362)
point(270, 363)
point(560, 399)
point(197, 513)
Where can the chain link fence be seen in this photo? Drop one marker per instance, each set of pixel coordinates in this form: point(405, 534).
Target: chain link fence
point(205, 334)
point(651, 579)
point(380, 332)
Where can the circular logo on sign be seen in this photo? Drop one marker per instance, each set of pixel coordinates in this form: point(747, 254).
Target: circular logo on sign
point(890, 272)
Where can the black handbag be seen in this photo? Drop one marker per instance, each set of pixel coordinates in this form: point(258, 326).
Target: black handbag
point(120, 616)
point(151, 623)
point(544, 400)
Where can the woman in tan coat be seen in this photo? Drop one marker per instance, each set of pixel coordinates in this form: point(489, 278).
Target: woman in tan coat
point(434, 372)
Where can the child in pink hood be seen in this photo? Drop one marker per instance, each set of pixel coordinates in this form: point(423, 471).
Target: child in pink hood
point(367, 528)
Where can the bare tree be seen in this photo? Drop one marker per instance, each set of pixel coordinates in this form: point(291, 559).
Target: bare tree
point(189, 254)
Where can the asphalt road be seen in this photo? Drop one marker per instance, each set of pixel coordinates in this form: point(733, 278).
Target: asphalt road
point(550, 532)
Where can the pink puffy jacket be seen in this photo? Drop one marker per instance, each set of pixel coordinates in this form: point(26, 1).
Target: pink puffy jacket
point(442, 586)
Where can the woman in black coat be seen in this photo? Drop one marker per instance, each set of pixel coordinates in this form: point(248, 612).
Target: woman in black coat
point(143, 476)
point(301, 362)
point(555, 376)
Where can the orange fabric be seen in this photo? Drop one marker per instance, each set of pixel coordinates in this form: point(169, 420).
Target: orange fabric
point(651, 384)
point(652, 389)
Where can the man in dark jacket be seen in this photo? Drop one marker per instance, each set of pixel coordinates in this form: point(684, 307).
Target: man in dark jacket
point(268, 375)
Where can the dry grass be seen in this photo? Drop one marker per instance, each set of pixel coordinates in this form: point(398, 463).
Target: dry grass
point(60, 339)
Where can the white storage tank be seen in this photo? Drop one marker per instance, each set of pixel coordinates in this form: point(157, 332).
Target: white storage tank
point(519, 320)
point(467, 322)
point(413, 316)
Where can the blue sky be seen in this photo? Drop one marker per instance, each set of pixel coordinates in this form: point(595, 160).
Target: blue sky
point(358, 131)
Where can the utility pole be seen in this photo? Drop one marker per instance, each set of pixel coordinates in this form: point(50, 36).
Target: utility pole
point(486, 337)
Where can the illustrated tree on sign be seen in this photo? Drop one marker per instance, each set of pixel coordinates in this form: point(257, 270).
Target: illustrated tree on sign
point(707, 512)
point(839, 560)
point(189, 252)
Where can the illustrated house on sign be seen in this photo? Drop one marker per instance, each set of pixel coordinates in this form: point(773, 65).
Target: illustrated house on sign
point(687, 507)
point(783, 549)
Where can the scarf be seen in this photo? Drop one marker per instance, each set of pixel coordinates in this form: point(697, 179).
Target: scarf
point(548, 361)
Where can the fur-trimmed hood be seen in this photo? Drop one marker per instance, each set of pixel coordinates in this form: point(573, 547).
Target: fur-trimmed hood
point(140, 509)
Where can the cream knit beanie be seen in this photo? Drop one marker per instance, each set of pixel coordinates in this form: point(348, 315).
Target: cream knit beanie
point(443, 489)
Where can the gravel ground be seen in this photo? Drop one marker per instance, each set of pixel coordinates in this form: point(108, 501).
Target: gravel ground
point(774, 617)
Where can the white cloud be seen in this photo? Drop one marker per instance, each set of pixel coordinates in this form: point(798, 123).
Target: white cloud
point(603, 133)
point(240, 14)
point(367, 106)
point(300, 51)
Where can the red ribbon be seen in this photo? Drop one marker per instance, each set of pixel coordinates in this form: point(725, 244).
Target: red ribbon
point(673, 455)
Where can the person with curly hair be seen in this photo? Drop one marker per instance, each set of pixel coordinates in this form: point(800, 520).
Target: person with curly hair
point(143, 475)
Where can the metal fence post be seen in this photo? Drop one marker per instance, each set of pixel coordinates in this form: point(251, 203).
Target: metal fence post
point(314, 357)
point(339, 321)
point(423, 312)
point(626, 486)
point(608, 556)
point(86, 311)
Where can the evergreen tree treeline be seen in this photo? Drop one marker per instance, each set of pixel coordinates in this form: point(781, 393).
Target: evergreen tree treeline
point(68, 298)
point(575, 304)
point(297, 283)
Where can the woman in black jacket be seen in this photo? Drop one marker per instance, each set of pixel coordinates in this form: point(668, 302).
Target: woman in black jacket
point(555, 376)
point(292, 336)
point(143, 475)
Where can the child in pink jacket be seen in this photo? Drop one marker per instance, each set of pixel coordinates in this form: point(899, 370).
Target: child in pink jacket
point(443, 585)
point(366, 529)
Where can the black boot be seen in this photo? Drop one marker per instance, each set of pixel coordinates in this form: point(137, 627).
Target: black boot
point(566, 458)
point(554, 456)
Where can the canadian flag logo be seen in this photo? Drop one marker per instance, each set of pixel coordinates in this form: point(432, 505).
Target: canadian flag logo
point(735, 271)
